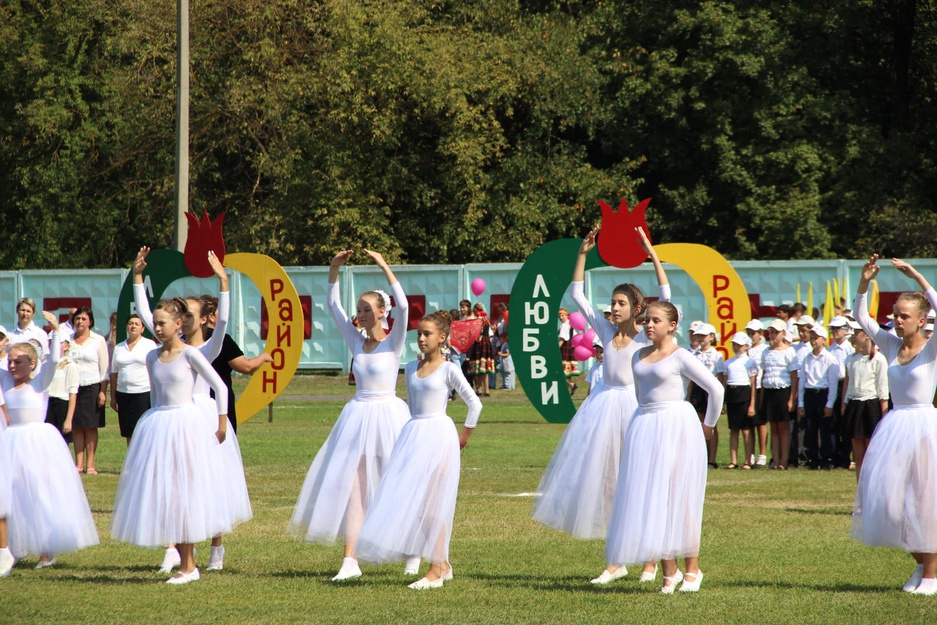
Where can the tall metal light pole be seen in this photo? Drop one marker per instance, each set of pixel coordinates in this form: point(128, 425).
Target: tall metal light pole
point(182, 122)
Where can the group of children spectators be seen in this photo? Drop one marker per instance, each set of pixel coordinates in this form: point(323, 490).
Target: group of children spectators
point(819, 390)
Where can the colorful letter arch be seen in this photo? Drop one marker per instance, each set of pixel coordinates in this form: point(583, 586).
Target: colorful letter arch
point(545, 276)
point(284, 310)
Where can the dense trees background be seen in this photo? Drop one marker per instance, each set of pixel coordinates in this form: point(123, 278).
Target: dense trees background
point(458, 131)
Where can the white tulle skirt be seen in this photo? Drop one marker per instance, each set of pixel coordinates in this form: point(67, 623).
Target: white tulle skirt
point(233, 494)
point(658, 512)
point(349, 464)
point(578, 487)
point(169, 481)
point(413, 509)
point(896, 499)
point(47, 510)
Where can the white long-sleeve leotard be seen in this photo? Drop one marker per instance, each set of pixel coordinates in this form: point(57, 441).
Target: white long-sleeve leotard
point(29, 403)
point(430, 395)
point(173, 383)
point(375, 371)
point(912, 383)
point(617, 362)
point(665, 381)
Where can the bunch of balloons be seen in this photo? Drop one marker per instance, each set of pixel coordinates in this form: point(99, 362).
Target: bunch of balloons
point(582, 343)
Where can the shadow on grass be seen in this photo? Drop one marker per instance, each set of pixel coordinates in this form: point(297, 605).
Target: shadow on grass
point(105, 574)
point(836, 587)
point(830, 511)
point(568, 583)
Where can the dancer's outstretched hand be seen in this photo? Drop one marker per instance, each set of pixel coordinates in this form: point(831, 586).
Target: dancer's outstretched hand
point(870, 269)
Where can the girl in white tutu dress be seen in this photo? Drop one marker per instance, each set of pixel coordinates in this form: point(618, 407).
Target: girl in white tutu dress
point(413, 509)
point(658, 511)
point(46, 510)
point(348, 467)
point(172, 474)
point(578, 487)
point(896, 500)
point(234, 495)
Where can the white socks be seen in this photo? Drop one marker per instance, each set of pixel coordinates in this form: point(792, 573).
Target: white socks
point(6, 561)
point(216, 559)
point(349, 570)
point(928, 586)
point(170, 561)
point(915, 579)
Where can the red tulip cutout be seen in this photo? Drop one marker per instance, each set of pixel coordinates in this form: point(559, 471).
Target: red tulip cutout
point(618, 244)
point(204, 237)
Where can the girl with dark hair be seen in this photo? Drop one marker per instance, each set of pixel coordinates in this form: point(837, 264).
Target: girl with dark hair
point(234, 498)
point(577, 489)
point(169, 484)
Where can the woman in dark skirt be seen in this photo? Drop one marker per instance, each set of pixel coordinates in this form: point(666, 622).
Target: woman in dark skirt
point(89, 351)
point(130, 382)
point(865, 395)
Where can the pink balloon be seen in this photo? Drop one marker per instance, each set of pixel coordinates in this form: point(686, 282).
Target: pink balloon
point(583, 353)
point(589, 336)
point(577, 321)
point(478, 286)
point(578, 339)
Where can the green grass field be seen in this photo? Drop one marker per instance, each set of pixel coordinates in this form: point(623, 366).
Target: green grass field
point(775, 549)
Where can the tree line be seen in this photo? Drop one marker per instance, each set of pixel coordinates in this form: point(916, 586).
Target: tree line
point(470, 130)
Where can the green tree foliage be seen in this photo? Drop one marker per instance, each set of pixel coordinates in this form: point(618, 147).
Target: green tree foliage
point(469, 131)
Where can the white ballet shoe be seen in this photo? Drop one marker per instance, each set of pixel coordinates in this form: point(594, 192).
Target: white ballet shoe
point(448, 576)
point(216, 559)
point(183, 578)
point(6, 561)
point(675, 579)
point(349, 570)
point(170, 561)
point(927, 587)
point(607, 577)
point(692, 586)
point(44, 563)
point(425, 584)
point(648, 576)
point(412, 566)
point(915, 579)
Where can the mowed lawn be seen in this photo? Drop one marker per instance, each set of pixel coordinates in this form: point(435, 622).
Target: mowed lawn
point(776, 547)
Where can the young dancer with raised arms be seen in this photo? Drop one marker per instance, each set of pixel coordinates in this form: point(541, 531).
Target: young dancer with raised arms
point(896, 499)
point(233, 497)
point(172, 474)
point(347, 469)
point(414, 507)
point(46, 513)
point(578, 487)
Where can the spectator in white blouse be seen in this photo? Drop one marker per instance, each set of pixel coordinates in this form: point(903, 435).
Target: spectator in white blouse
point(817, 393)
point(865, 393)
point(25, 329)
point(842, 349)
point(89, 351)
point(130, 382)
point(63, 394)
